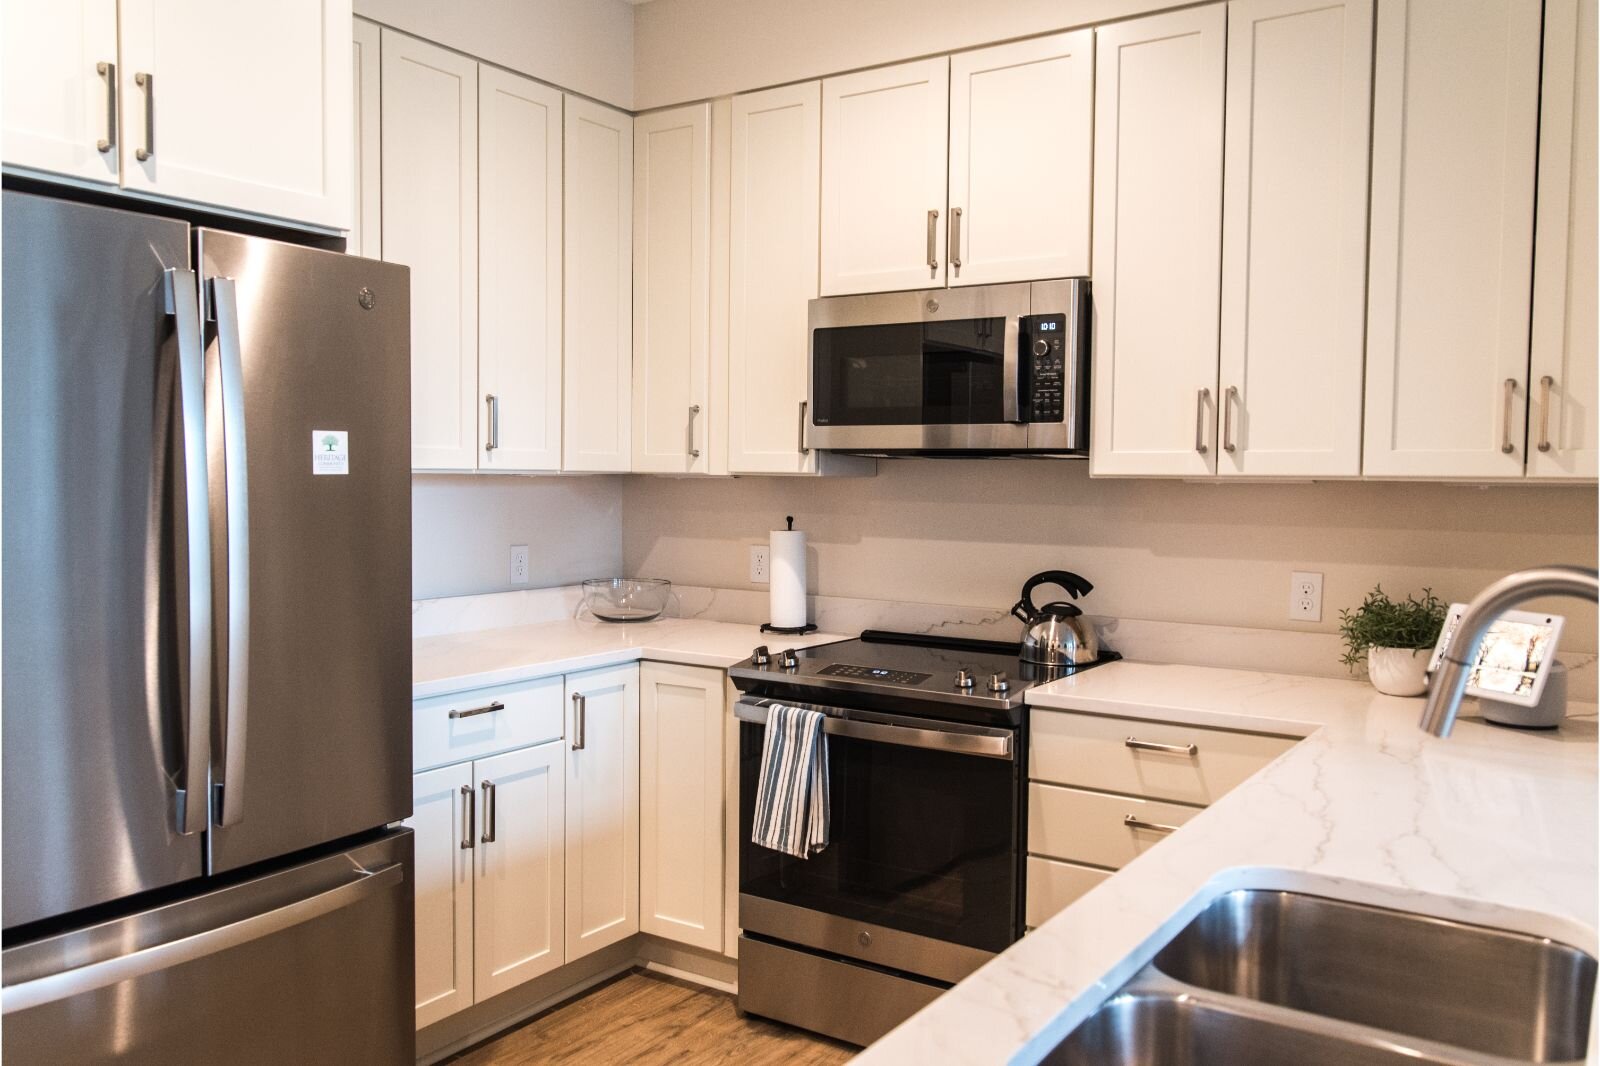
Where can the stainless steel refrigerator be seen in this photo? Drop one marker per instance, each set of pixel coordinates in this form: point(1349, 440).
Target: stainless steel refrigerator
point(206, 645)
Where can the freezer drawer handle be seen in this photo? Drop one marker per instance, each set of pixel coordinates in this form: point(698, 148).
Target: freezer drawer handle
point(82, 979)
point(488, 708)
point(229, 806)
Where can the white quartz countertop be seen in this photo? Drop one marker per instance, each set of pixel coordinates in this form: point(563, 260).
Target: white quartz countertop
point(1496, 826)
point(460, 661)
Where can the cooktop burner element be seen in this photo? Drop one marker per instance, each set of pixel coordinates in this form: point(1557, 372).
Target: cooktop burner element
point(940, 677)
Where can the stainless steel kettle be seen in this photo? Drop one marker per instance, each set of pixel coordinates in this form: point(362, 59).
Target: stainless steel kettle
point(1056, 634)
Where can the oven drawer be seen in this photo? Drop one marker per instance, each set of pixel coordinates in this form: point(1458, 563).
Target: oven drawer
point(1163, 760)
point(1053, 885)
point(856, 1004)
point(1079, 826)
point(528, 712)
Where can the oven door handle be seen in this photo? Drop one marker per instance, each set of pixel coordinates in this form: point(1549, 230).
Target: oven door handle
point(991, 744)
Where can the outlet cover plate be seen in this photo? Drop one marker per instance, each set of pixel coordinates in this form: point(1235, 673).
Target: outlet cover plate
point(519, 564)
point(760, 564)
point(1305, 596)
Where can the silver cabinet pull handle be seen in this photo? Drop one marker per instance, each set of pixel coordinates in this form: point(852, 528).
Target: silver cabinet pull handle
point(491, 806)
point(494, 422)
point(694, 410)
point(469, 815)
point(1150, 745)
point(803, 449)
point(147, 82)
point(236, 696)
point(1154, 827)
point(183, 303)
point(1229, 399)
point(108, 71)
point(933, 245)
point(580, 721)
point(1544, 412)
point(488, 708)
point(1505, 440)
point(955, 239)
point(1200, 421)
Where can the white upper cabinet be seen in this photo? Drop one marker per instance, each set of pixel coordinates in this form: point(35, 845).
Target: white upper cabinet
point(777, 163)
point(430, 166)
point(1021, 139)
point(884, 139)
point(598, 358)
point(1159, 88)
point(240, 106)
point(519, 277)
point(1294, 240)
point(1562, 378)
point(1454, 132)
point(602, 808)
point(672, 290)
point(366, 197)
point(60, 83)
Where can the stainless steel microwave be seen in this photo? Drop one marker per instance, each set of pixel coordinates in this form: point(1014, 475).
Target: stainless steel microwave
point(986, 370)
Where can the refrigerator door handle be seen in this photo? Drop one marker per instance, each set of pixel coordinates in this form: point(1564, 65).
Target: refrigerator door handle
point(182, 302)
point(81, 979)
point(230, 788)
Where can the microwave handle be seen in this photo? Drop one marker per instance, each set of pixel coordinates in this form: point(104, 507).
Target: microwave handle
point(1010, 379)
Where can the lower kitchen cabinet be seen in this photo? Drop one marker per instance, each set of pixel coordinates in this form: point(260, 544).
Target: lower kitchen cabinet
point(440, 803)
point(681, 711)
point(602, 808)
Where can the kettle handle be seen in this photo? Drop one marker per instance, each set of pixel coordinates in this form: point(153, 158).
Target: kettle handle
point(1074, 584)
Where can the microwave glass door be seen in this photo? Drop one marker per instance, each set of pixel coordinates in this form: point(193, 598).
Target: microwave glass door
point(910, 374)
point(920, 841)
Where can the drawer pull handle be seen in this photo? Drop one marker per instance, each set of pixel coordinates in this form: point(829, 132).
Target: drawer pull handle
point(1171, 749)
point(1155, 827)
point(474, 712)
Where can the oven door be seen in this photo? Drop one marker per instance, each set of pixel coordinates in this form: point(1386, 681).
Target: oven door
point(922, 872)
point(931, 370)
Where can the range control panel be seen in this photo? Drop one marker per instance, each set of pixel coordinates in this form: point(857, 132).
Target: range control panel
point(874, 673)
point(1044, 362)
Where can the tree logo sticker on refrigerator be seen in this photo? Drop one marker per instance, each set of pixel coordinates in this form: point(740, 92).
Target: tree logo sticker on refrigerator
point(330, 451)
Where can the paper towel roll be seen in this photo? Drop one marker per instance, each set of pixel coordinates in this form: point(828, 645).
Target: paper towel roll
point(788, 578)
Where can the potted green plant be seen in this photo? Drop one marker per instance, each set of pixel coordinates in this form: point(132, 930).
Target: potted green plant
point(1396, 637)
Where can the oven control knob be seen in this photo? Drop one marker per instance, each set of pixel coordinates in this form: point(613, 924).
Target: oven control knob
point(964, 680)
point(1041, 347)
point(998, 683)
point(788, 659)
point(759, 657)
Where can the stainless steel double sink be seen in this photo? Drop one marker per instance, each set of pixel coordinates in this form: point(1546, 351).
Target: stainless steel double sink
point(1265, 977)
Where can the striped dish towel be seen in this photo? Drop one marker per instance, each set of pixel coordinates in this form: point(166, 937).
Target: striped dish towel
point(792, 804)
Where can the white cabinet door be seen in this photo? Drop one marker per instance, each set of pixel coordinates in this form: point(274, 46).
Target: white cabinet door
point(1455, 120)
point(777, 162)
point(366, 198)
point(519, 883)
point(430, 182)
point(681, 803)
point(1294, 238)
point(1021, 141)
point(60, 84)
point(598, 360)
point(441, 802)
point(602, 808)
point(519, 277)
point(884, 141)
point(240, 106)
point(672, 290)
point(1157, 242)
point(1562, 435)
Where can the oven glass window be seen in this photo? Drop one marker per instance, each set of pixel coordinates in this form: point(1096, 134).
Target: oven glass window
point(934, 373)
point(921, 841)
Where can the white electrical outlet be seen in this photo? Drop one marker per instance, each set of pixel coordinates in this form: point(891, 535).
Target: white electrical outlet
point(760, 572)
point(1305, 596)
point(519, 564)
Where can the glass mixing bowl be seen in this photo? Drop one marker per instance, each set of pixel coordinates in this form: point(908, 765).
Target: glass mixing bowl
point(626, 599)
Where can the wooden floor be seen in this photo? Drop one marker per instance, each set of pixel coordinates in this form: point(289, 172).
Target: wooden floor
point(643, 1018)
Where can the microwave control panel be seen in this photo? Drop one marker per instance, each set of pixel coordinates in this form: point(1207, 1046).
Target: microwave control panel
point(1044, 361)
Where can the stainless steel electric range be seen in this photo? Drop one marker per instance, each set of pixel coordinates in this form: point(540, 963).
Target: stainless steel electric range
point(922, 879)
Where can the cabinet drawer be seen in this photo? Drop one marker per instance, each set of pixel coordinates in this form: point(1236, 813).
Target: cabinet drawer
point(1052, 885)
point(1067, 823)
point(529, 713)
point(1101, 752)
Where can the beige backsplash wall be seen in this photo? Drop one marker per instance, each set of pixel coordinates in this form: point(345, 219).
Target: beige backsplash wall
point(970, 532)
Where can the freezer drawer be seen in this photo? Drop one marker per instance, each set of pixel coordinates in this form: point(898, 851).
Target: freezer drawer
point(308, 964)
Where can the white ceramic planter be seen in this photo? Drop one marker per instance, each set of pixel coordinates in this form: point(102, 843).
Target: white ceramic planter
point(1399, 671)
